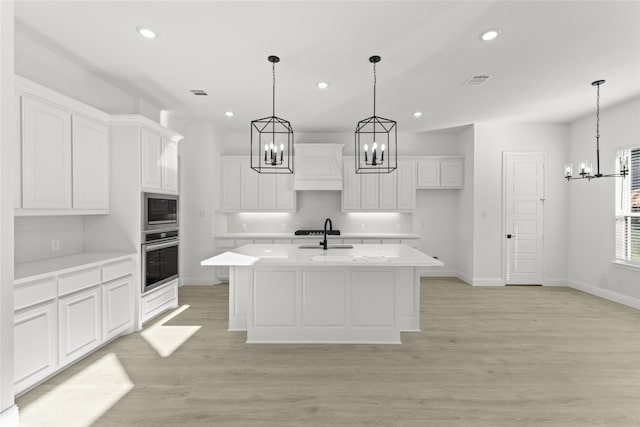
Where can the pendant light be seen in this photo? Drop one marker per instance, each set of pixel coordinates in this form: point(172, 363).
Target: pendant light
point(586, 168)
point(272, 138)
point(376, 140)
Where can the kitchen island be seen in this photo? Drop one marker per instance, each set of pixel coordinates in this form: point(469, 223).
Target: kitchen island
point(285, 293)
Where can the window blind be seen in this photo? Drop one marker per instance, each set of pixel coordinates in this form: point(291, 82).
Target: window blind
point(628, 210)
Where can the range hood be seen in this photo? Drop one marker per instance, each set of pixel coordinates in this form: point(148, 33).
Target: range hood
point(318, 167)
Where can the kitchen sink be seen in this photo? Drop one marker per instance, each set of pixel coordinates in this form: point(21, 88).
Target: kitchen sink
point(338, 258)
point(328, 247)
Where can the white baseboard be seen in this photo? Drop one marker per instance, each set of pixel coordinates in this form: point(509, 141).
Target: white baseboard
point(468, 280)
point(488, 282)
point(9, 417)
point(554, 282)
point(201, 281)
point(438, 273)
point(605, 293)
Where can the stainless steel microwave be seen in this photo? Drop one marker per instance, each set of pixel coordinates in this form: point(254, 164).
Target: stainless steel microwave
point(159, 212)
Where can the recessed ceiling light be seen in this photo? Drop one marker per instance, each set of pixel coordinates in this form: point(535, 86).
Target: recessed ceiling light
point(145, 32)
point(490, 34)
point(417, 114)
point(323, 85)
point(228, 113)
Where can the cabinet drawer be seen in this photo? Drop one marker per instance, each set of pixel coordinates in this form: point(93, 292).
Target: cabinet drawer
point(242, 242)
point(78, 280)
point(117, 269)
point(31, 293)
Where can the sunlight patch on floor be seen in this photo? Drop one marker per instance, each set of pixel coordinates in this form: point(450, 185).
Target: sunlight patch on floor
point(82, 399)
point(166, 339)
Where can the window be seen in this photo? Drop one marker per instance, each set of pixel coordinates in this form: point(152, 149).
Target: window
point(628, 209)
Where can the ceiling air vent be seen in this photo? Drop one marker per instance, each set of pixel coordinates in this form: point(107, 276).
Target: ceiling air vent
point(199, 92)
point(476, 80)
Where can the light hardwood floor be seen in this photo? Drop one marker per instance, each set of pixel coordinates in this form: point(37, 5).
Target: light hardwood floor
point(514, 356)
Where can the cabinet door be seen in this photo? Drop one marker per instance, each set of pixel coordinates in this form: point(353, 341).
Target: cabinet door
point(231, 173)
point(169, 166)
point(90, 147)
point(429, 173)
point(286, 194)
point(117, 306)
point(151, 152)
point(451, 173)
point(267, 191)
point(350, 186)
point(370, 191)
point(406, 185)
point(35, 345)
point(388, 191)
point(248, 188)
point(79, 317)
point(46, 155)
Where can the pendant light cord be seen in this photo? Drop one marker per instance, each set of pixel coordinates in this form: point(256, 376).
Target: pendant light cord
point(374, 89)
point(598, 130)
point(273, 95)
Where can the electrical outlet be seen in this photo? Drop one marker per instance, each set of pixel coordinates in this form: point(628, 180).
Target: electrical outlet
point(283, 227)
point(398, 228)
point(244, 227)
point(361, 227)
point(55, 245)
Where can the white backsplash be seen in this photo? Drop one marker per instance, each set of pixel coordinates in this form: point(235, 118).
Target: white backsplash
point(33, 237)
point(313, 208)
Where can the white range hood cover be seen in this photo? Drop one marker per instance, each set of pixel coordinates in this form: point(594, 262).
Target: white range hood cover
point(318, 167)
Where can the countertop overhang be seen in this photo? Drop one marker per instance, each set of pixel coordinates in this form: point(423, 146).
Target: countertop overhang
point(367, 255)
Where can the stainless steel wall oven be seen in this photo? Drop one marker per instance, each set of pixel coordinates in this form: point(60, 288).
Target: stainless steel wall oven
point(159, 259)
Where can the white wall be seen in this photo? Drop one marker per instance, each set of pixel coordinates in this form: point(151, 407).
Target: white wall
point(199, 194)
point(490, 141)
point(464, 217)
point(33, 236)
point(8, 410)
point(592, 204)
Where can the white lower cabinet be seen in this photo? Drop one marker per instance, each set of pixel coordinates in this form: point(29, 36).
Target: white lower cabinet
point(60, 318)
point(117, 307)
point(35, 345)
point(159, 300)
point(80, 319)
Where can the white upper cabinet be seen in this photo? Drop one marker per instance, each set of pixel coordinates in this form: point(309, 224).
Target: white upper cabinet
point(169, 166)
point(245, 190)
point(406, 185)
point(440, 172)
point(451, 173)
point(391, 192)
point(428, 173)
point(159, 162)
point(64, 148)
point(351, 186)
point(90, 149)
point(46, 155)
point(151, 152)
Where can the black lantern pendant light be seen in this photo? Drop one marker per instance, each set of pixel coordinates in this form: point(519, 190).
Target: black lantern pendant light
point(272, 138)
point(585, 168)
point(376, 139)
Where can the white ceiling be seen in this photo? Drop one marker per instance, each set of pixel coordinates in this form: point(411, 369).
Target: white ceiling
point(541, 66)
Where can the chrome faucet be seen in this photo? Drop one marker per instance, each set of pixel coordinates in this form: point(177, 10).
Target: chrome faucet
point(324, 241)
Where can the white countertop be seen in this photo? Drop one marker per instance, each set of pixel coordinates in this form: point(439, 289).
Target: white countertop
point(393, 255)
point(293, 236)
point(34, 270)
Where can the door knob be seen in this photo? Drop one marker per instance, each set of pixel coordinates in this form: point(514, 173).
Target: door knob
point(510, 235)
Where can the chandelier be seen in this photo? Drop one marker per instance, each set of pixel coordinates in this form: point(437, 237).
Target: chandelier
point(272, 138)
point(376, 139)
point(586, 170)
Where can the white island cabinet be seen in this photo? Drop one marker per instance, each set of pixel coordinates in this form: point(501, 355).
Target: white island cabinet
point(284, 293)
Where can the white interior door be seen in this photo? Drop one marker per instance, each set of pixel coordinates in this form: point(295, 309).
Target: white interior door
point(523, 175)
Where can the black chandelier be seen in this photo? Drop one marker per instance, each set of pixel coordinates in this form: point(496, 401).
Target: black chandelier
point(376, 141)
point(272, 138)
point(586, 169)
